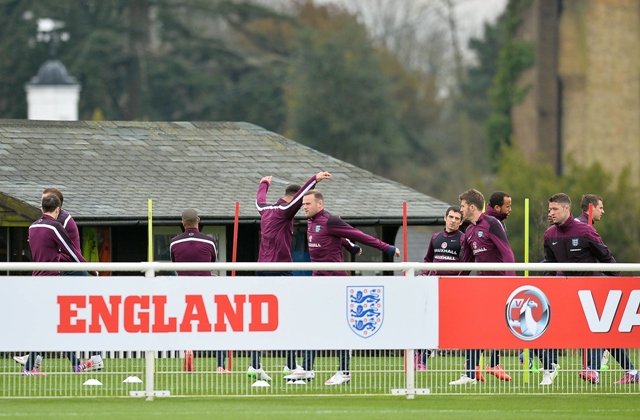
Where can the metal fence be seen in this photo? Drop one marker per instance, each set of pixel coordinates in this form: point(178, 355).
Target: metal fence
point(372, 372)
point(379, 372)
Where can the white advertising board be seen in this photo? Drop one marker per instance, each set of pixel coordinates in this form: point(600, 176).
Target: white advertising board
point(218, 313)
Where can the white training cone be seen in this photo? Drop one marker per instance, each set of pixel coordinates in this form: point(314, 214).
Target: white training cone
point(133, 379)
point(92, 382)
point(261, 384)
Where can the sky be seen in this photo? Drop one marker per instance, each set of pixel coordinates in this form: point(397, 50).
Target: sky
point(471, 14)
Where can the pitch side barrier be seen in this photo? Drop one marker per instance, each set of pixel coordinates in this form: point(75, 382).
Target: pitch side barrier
point(378, 315)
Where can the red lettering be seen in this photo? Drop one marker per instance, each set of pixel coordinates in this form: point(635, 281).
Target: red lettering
point(158, 321)
point(130, 318)
point(256, 312)
point(235, 317)
point(195, 302)
point(68, 311)
point(99, 310)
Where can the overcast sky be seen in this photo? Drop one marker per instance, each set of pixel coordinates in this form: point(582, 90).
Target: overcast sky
point(471, 14)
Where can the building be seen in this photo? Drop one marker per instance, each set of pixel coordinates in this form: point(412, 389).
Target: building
point(584, 97)
point(109, 170)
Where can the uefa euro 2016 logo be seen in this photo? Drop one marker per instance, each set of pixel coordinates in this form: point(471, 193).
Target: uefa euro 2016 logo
point(365, 309)
point(528, 313)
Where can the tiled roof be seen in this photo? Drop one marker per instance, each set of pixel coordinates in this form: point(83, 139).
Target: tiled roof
point(108, 170)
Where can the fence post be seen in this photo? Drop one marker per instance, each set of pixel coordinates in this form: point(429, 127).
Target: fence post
point(411, 374)
point(150, 371)
point(150, 365)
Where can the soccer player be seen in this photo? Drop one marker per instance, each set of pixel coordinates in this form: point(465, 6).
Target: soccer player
point(445, 246)
point(485, 241)
point(326, 235)
point(276, 235)
point(49, 242)
point(194, 246)
point(571, 241)
point(621, 356)
point(65, 219)
point(499, 207)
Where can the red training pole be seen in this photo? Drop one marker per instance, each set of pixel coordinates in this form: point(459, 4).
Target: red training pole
point(404, 231)
point(235, 236)
point(233, 259)
point(590, 223)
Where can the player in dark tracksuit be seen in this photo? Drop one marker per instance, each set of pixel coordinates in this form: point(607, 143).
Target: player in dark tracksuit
point(560, 243)
point(485, 241)
point(276, 235)
point(445, 246)
point(49, 242)
point(571, 241)
point(194, 246)
point(326, 235)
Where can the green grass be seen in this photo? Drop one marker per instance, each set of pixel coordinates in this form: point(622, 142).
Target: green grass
point(370, 376)
point(549, 407)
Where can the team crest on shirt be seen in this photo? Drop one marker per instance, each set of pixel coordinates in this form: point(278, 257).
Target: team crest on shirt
point(574, 241)
point(443, 245)
point(480, 233)
point(318, 228)
point(365, 309)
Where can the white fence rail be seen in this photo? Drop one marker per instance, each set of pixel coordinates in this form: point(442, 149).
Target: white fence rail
point(410, 268)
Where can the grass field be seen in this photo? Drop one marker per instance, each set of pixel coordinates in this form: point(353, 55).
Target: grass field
point(521, 407)
point(371, 375)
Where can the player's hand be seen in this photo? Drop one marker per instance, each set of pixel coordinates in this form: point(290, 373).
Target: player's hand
point(397, 253)
point(359, 253)
point(322, 175)
point(267, 178)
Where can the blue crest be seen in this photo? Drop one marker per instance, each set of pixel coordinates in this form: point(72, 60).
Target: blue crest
point(317, 228)
point(574, 241)
point(365, 309)
point(480, 234)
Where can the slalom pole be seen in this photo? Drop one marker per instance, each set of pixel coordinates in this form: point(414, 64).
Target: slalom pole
point(235, 236)
point(525, 358)
point(234, 259)
point(150, 229)
point(590, 221)
point(405, 240)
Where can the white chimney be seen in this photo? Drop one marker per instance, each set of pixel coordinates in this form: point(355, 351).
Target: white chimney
point(52, 94)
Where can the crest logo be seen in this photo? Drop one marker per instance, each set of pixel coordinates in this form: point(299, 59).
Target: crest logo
point(528, 313)
point(317, 228)
point(365, 309)
point(574, 241)
point(480, 234)
point(444, 245)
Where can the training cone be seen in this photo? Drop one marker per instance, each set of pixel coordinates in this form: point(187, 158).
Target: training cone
point(188, 361)
point(92, 382)
point(261, 384)
point(133, 379)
